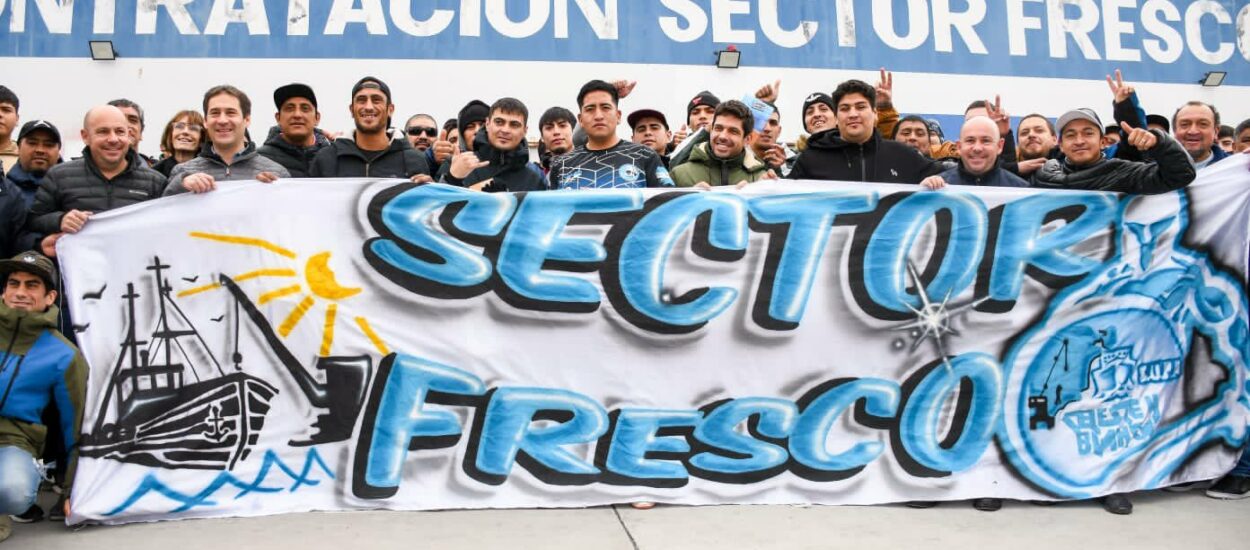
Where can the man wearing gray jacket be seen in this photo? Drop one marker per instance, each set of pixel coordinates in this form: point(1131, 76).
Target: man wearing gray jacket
point(228, 155)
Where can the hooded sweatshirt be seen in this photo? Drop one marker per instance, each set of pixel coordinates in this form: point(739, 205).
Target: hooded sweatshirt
point(829, 157)
point(704, 166)
point(38, 367)
point(344, 159)
point(296, 159)
point(508, 170)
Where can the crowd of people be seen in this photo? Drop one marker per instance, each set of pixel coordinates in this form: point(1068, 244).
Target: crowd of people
point(855, 133)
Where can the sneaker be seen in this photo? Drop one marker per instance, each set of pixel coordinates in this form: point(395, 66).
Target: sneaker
point(1117, 504)
point(6, 527)
point(920, 504)
point(31, 515)
point(988, 504)
point(57, 513)
point(1230, 487)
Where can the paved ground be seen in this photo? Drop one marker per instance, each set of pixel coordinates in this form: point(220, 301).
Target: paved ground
point(1161, 520)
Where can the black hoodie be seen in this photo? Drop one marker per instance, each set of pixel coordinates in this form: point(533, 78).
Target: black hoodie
point(510, 170)
point(296, 159)
point(829, 157)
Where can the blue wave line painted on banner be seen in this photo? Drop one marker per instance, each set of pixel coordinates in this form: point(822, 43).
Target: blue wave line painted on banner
point(152, 484)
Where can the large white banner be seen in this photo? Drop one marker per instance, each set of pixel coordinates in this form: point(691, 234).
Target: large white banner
point(356, 344)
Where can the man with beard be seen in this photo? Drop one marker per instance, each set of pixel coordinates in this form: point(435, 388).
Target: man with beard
point(422, 131)
point(109, 175)
point(229, 155)
point(499, 160)
point(650, 128)
point(555, 129)
point(296, 140)
point(856, 151)
point(606, 161)
point(371, 151)
point(38, 150)
point(724, 159)
point(1037, 143)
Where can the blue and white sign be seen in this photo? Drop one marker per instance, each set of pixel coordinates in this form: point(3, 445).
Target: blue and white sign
point(1153, 40)
point(267, 350)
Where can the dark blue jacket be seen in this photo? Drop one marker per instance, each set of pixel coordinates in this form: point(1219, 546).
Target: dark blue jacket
point(25, 182)
point(12, 216)
point(996, 177)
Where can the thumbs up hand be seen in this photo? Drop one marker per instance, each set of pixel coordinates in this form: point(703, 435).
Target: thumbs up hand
point(1142, 139)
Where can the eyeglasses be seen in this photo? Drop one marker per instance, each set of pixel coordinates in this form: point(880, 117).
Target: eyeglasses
point(418, 130)
point(194, 128)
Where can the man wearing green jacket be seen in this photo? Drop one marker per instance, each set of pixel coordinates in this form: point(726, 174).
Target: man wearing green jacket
point(725, 159)
point(38, 367)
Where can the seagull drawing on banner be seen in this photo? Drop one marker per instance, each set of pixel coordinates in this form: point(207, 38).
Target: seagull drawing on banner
point(933, 319)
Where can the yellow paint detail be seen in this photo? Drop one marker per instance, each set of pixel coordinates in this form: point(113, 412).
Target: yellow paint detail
point(245, 241)
point(266, 273)
point(275, 294)
point(198, 289)
point(327, 337)
point(373, 336)
point(321, 279)
point(294, 317)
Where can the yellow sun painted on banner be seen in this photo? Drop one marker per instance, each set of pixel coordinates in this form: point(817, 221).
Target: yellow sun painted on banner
point(319, 279)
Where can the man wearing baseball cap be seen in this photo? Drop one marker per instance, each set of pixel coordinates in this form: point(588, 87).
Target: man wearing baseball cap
point(372, 150)
point(1085, 167)
point(41, 368)
point(650, 128)
point(38, 150)
point(295, 141)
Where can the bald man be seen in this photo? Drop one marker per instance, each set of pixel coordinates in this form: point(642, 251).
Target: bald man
point(109, 175)
point(980, 144)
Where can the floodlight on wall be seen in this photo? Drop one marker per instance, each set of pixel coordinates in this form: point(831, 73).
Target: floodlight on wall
point(1213, 78)
point(728, 58)
point(102, 50)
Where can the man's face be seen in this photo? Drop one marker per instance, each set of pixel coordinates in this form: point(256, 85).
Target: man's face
point(506, 130)
point(558, 136)
point(1110, 139)
point(27, 292)
point(818, 117)
point(226, 123)
point(134, 126)
point(297, 118)
point(370, 111)
point(856, 118)
point(599, 116)
point(38, 151)
point(700, 117)
point(1226, 143)
point(1243, 141)
point(470, 133)
point(421, 132)
point(1036, 139)
point(914, 134)
point(772, 130)
point(1195, 128)
point(107, 136)
point(979, 146)
point(652, 133)
point(8, 119)
point(728, 139)
point(1081, 142)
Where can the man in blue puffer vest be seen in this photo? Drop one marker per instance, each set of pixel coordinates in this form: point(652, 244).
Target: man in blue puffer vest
point(38, 367)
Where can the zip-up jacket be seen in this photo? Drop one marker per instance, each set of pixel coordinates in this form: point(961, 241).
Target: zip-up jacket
point(703, 166)
point(344, 159)
point(996, 177)
point(1170, 170)
point(39, 367)
point(12, 217)
point(296, 159)
point(508, 170)
point(829, 157)
point(245, 165)
point(26, 182)
point(79, 185)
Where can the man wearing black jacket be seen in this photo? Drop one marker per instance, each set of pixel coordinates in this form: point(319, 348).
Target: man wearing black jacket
point(499, 159)
point(855, 151)
point(371, 151)
point(1084, 165)
point(295, 141)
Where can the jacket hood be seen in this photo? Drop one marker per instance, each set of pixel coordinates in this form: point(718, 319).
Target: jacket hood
point(275, 139)
point(31, 323)
point(24, 180)
point(702, 154)
point(500, 159)
point(347, 144)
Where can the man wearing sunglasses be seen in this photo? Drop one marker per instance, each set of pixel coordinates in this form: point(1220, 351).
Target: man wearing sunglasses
point(422, 131)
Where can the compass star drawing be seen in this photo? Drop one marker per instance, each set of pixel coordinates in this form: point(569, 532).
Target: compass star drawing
point(933, 319)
